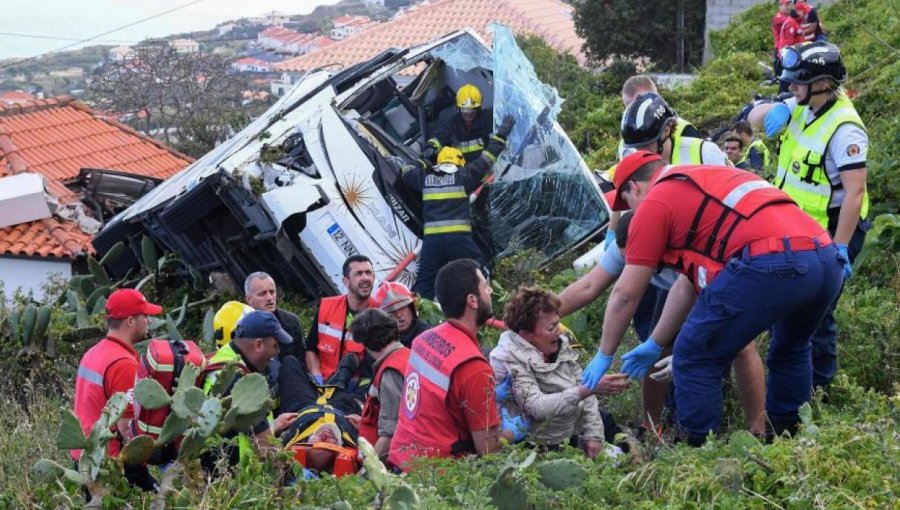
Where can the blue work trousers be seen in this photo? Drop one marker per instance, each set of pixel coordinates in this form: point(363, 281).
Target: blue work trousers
point(437, 251)
point(824, 340)
point(788, 292)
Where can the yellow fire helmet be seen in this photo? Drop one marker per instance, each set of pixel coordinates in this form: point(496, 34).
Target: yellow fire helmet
point(449, 160)
point(227, 318)
point(468, 96)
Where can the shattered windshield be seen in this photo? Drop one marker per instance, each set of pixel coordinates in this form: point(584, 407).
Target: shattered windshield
point(543, 198)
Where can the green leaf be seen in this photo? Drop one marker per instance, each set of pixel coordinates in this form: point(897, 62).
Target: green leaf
point(210, 417)
point(191, 444)
point(805, 413)
point(29, 318)
point(249, 393)
point(222, 378)
point(243, 422)
point(149, 255)
point(70, 435)
point(741, 442)
point(151, 394)
point(209, 334)
point(113, 253)
point(173, 427)
point(45, 471)
point(100, 292)
point(560, 474)
point(188, 402)
point(402, 497)
point(43, 320)
point(76, 477)
point(508, 492)
point(188, 377)
point(97, 271)
point(138, 450)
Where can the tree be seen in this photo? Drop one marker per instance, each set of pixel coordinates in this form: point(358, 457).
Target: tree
point(646, 28)
point(190, 101)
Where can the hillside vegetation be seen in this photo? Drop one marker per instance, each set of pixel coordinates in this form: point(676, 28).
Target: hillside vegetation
point(847, 454)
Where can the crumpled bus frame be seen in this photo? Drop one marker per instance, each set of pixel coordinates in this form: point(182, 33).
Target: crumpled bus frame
point(316, 178)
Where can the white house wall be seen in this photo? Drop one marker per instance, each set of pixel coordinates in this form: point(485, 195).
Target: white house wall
point(30, 274)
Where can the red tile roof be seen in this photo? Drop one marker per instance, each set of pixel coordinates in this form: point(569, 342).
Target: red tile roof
point(15, 97)
point(57, 138)
point(549, 19)
point(48, 237)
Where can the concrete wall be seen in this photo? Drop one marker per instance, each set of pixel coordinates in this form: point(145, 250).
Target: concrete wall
point(30, 274)
point(720, 12)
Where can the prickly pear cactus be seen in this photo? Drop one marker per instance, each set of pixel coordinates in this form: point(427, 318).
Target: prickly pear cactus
point(150, 394)
point(138, 450)
point(395, 493)
point(95, 451)
point(561, 474)
point(188, 402)
point(249, 394)
point(210, 417)
point(191, 444)
point(508, 492)
point(70, 436)
point(173, 427)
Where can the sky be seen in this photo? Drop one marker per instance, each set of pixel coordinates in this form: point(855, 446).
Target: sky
point(82, 19)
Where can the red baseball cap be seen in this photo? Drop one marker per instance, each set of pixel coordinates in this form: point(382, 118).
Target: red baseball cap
point(124, 303)
point(785, 2)
point(625, 169)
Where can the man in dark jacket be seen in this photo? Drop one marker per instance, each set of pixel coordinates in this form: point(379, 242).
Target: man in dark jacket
point(446, 210)
point(260, 293)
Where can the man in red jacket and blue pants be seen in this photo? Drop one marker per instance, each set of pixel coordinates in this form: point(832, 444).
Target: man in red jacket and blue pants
point(750, 260)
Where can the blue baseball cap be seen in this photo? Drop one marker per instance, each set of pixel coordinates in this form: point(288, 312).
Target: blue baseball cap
point(259, 324)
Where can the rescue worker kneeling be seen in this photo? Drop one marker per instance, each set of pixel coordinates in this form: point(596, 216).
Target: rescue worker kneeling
point(446, 211)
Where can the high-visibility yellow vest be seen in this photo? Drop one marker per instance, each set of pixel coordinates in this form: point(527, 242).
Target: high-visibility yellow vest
point(761, 147)
point(801, 158)
point(691, 158)
point(687, 151)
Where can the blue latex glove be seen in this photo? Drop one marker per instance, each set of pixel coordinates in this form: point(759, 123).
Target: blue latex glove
point(776, 119)
point(637, 362)
point(318, 379)
point(518, 425)
point(502, 391)
point(309, 475)
point(844, 257)
point(595, 370)
point(610, 238)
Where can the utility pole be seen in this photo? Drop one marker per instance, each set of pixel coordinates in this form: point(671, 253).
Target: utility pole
point(679, 43)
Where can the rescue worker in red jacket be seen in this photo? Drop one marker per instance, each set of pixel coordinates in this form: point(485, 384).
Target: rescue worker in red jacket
point(448, 406)
point(330, 339)
point(751, 261)
point(109, 367)
point(379, 332)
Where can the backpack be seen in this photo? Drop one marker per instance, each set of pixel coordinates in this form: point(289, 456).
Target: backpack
point(163, 361)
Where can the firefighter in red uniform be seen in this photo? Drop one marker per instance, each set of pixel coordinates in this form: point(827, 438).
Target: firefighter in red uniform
point(448, 407)
point(750, 260)
point(109, 367)
point(380, 333)
point(330, 339)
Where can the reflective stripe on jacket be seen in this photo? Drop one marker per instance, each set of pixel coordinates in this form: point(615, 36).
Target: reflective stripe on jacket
point(425, 426)
point(90, 388)
point(801, 160)
point(334, 336)
point(730, 196)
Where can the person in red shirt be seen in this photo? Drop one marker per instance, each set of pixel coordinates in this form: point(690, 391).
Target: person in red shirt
point(784, 12)
point(448, 406)
point(109, 367)
point(751, 261)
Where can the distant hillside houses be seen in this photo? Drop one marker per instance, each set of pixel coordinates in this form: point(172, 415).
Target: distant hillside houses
point(290, 42)
point(251, 65)
point(348, 26)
